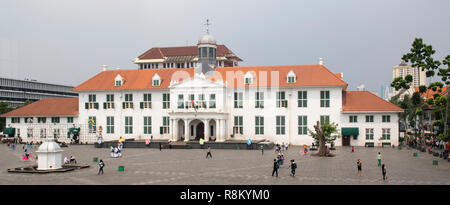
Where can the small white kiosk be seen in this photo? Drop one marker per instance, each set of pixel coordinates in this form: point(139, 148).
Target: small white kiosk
point(49, 155)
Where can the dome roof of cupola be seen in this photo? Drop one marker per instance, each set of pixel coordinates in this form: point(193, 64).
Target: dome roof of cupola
point(207, 39)
point(49, 146)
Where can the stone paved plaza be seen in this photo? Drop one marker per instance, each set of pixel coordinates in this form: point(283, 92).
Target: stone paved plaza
point(240, 167)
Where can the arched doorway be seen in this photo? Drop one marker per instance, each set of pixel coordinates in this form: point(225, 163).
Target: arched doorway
point(200, 131)
point(212, 130)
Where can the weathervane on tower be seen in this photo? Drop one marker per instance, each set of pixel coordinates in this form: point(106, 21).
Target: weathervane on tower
point(207, 26)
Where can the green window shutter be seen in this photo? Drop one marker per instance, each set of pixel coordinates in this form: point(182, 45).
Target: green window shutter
point(160, 130)
point(104, 106)
point(96, 106)
point(141, 105)
point(123, 105)
point(86, 105)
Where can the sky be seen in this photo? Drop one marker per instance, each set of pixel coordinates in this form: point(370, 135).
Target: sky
point(67, 42)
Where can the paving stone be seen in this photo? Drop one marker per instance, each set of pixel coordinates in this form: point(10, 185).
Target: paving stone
point(189, 167)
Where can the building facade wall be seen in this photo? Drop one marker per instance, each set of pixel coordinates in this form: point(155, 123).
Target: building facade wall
point(377, 125)
point(221, 117)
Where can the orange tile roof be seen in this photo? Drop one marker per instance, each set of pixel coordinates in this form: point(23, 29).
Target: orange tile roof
point(158, 53)
point(365, 101)
point(429, 94)
point(135, 79)
point(47, 107)
point(307, 75)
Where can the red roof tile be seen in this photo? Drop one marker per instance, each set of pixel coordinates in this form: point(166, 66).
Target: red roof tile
point(158, 53)
point(365, 101)
point(429, 94)
point(47, 107)
point(135, 79)
point(307, 75)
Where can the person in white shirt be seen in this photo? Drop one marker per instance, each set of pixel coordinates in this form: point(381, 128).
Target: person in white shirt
point(66, 160)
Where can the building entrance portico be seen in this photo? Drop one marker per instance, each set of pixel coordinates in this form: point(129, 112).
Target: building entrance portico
point(208, 126)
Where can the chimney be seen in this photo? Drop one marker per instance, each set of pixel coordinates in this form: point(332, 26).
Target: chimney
point(320, 61)
point(104, 67)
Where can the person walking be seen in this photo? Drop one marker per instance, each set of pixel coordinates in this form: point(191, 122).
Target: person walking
point(262, 149)
point(160, 146)
point(359, 165)
point(353, 149)
point(209, 153)
point(379, 158)
point(383, 171)
point(293, 166)
point(101, 164)
point(275, 167)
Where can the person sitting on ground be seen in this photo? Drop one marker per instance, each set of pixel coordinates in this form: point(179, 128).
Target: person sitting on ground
point(66, 160)
point(73, 160)
point(26, 154)
point(116, 152)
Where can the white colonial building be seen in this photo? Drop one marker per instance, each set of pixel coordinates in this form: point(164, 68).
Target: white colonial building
point(276, 103)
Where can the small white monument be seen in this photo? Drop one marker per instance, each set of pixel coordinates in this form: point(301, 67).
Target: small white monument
point(49, 155)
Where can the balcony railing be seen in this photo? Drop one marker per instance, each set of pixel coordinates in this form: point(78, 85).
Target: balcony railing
point(127, 105)
point(145, 105)
point(91, 105)
point(108, 105)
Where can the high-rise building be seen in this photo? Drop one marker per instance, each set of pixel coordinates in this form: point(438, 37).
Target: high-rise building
point(17, 92)
point(387, 92)
point(402, 70)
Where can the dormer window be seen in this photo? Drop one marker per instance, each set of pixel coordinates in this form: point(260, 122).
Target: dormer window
point(118, 81)
point(248, 78)
point(156, 83)
point(291, 78)
point(156, 80)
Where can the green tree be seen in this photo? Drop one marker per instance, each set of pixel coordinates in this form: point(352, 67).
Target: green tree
point(4, 108)
point(322, 135)
point(421, 56)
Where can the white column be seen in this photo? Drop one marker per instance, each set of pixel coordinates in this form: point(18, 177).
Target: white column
point(186, 130)
point(217, 130)
point(223, 130)
point(206, 127)
point(171, 130)
point(175, 130)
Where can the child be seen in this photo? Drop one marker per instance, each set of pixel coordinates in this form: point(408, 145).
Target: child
point(101, 165)
point(293, 166)
point(26, 155)
point(359, 165)
point(379, 158)
point(209, 153)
